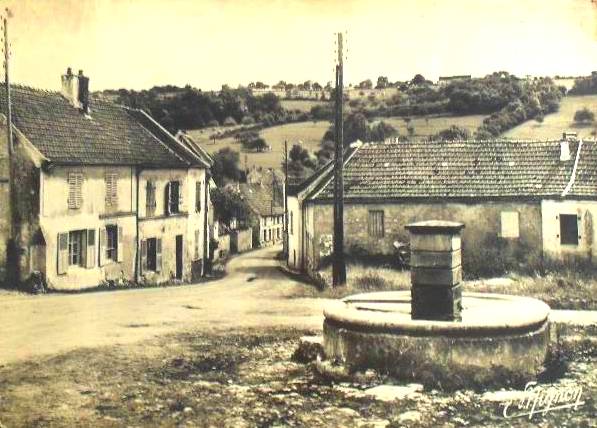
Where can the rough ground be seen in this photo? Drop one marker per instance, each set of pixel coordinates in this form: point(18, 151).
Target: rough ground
point(217, 355)
point(237, 379)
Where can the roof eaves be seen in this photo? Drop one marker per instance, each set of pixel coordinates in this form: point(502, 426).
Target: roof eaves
point(317, 190)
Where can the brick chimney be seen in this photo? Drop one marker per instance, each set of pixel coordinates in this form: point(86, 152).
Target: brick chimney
point(70, 87)
point(83, 94)
point(76, 89)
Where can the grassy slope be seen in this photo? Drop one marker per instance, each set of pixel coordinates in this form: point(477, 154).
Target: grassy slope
point(310, 133)
point(554, 124)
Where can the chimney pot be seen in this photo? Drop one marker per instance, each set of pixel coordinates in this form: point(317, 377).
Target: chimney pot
point(564, 151)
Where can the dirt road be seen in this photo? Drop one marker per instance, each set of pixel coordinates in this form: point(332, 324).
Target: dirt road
point(32, 326)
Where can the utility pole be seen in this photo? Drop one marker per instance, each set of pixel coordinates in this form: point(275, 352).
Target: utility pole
point(11, 244)
point(285, 244)
point(338, 263)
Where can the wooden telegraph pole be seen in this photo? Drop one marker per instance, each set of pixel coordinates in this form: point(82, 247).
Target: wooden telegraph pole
point(338, 263)
point(11, 260)
point(285, 244)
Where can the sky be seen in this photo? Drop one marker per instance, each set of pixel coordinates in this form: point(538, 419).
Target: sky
point(137, 44)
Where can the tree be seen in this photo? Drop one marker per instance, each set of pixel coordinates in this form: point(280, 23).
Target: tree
point(300, 163)
point(226, 166)
point(229, 204)
point(382, 82)
point(418, 80)
point(381, 131)
point(584, 115)
point(452, 133)
point(365, 84)
point(356, 127)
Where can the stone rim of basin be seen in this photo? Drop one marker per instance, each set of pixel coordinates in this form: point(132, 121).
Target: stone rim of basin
point(483, 314)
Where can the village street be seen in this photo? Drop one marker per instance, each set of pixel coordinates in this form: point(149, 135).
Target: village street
point(253, 294)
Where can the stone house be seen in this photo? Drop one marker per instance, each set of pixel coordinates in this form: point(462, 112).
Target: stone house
point(522, 201)
point(266, 203)
point(100, 193)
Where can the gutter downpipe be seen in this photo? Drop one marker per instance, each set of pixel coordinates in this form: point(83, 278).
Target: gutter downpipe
point(204, 266)
point(137, 249)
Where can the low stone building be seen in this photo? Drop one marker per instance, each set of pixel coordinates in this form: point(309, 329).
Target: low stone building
point(266, 203)
point(100, 193)
point(523, 202)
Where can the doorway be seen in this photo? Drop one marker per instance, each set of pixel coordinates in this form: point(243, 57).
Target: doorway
point(178, 256)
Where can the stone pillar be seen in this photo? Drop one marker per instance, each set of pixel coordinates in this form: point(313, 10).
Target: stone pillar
point(436, 271)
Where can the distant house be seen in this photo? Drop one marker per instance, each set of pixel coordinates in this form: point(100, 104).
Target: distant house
point(527, 201)
point(266, 202)
point(101, 193)
point(445, 80)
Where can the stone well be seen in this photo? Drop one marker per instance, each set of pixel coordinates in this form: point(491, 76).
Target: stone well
point(435, 332)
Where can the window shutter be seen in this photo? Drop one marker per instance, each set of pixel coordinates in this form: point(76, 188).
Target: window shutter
point(197, 237)
point(102, 246)
point(167, 198)
point(158, 255)
point(90, 255)
point(119, 250)
point(111, 189)
point(75, 185)
point(62, 253)
point(143, 255)
point(198, 195)
point(180, 197)
point(83, 249)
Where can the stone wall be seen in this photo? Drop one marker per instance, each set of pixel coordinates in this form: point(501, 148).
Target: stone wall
point(223, 247)
point(241, 240)
point(481, 236)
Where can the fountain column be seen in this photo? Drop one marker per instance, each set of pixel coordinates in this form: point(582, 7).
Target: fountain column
point(436, 270)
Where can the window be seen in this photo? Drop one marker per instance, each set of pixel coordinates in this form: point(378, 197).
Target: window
point(173, 197)
point(111, 190)
point(112, 243)
point(265, 235)
point(376, 226)
point(151, 255)
point(75, 247)
point(569, 229)
point(198, 196)
point(150, 198)
point(509, 224)
point(75, 190)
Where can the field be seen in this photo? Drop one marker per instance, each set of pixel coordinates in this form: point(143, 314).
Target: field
point(309, 135)
point(556, 123)
point(426, 126)
point(302, 105)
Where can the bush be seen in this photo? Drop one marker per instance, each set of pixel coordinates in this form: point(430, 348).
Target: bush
point(229, 121)
point(248, 120)
point(584, 115)
point(213, 123)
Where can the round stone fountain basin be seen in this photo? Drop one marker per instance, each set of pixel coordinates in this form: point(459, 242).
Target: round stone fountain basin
point(498, 335)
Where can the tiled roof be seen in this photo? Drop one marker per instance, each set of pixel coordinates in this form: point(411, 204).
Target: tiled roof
point(109, 135)
point(260, 197)
point(465, 169)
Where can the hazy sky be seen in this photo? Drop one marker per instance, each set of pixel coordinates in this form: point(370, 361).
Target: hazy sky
point(140, 43)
